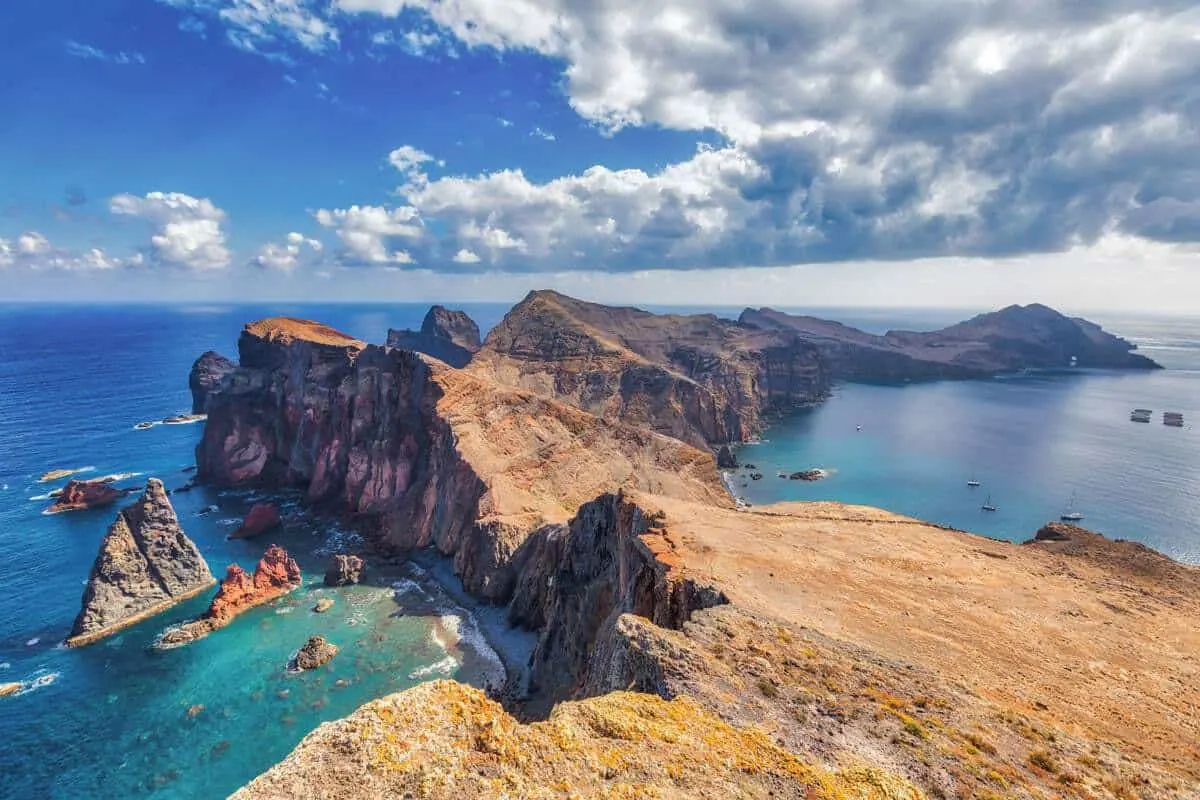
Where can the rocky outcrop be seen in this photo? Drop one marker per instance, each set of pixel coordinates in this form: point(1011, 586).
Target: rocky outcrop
point(275, 575)
point(431, 455)
point(261, 518)
point(623, 745)
point(1009, 340)
point(699, 378)
point(449, 336)
point(323, 605)
point(613, 558)
point(726, 458)
point(315, 652)
point(208, 371)
point(146, 565)
point(344, 570)
point(10, 688)
point(82, 495)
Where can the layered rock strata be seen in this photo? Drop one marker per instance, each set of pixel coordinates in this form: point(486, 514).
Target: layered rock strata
point(146, 564)
point(275, 575)
point(697, 378)
point(449, 336)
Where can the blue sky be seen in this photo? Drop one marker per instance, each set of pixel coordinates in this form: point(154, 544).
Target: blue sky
point(927, 152)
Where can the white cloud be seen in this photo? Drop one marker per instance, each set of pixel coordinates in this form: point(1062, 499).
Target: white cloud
point(408, 159)
point(32, 243)
point(504, 123)
point(465, 256)
point(87, 51)
point(188, 229)
point(543, 134)
point(367, 232)
point(286, 257)
point(7, 257)
point(263, 26)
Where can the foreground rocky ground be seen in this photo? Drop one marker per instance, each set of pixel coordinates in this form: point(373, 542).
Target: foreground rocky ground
point(820, 640)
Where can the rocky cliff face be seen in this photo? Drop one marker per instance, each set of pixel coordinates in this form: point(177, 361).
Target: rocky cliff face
point(447, 335)
point(699, 378)
point(275, 575)
point(1012, 339)
point(432, 455)
point(146, 564)
point(207, 373)
point(613, 558)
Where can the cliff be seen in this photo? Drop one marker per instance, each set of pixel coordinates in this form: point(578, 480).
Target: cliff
point(433, 455)
point(968, 667)
point(146, 564)
point(1009, 340)
point(275, 575)
point(446, 335)
point(697, 378)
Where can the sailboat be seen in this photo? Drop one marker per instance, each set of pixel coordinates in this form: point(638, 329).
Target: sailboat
point(973, 483)
point(987, 504)
point(1071, 515)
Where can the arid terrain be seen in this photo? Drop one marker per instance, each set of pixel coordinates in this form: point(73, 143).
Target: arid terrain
point(844, 651)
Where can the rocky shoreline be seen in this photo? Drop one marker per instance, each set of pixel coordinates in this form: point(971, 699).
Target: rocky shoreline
point(567, 477)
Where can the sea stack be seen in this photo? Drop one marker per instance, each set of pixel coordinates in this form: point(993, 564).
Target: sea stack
point(83, 495)
point(275, 575)
point(146, 564)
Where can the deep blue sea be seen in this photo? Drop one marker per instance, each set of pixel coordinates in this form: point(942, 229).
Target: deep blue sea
point(112, 720)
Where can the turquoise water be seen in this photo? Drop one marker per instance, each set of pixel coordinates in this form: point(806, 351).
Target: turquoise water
point(1032, 441)
point(112, 720)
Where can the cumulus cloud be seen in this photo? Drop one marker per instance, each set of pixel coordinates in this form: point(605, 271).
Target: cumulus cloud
point(188, 231)
point(465, 256)
point(34, 251)
point(368, 233)
point(286, 256)
point(848, 130)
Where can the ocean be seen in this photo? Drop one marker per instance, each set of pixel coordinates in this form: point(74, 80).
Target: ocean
point(118, 719)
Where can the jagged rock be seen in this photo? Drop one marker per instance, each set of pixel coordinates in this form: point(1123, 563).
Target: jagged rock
point(275, 575)
point(436, 456)
point(807, 475)
point(323, 605)
point(449, 336)
point(146, 564)
point(82, 495)
point(10, 688)
point(726, 459)
point(315, 652)
point(344, 570)
point(697, 378)
point(1008, 340)
point(208, 371)
point(261, 518)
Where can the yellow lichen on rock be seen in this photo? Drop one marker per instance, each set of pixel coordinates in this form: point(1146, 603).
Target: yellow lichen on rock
point(447, 740)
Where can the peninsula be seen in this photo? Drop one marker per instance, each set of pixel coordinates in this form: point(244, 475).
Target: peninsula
point(797, 650)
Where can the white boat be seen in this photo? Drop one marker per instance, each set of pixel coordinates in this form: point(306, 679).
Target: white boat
point(1071, 515)
point(973, 483)
point(987, 504)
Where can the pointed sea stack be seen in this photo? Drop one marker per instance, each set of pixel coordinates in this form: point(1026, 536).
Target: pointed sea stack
point(146, 565)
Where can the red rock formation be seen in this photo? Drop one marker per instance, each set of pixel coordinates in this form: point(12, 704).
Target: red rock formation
point(80, 495)
point(262, 518)
point(276, 574)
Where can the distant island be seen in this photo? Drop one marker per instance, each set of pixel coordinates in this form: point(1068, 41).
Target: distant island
point(687, 646)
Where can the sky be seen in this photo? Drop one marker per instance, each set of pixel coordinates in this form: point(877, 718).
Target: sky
point(788, 152)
